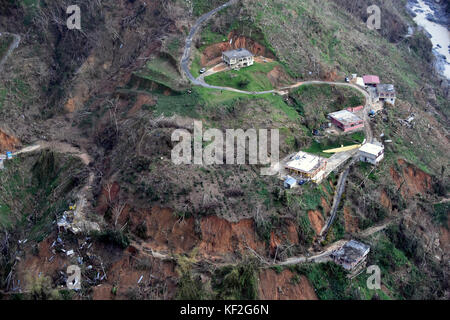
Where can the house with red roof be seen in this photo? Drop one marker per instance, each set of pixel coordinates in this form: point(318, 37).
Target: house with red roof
point(371, 80)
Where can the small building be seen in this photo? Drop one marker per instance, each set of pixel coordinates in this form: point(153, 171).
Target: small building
point(306, 165)
point(386, 93)
point(290, 182)
point(9, 155)
point(351, 255)
point(371, 80)
point(371, 153)
point(346, 120)
point(238, 58)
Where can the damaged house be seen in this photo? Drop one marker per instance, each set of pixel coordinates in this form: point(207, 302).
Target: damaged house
point(352, 255)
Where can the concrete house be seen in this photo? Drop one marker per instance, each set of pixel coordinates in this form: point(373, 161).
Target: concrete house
point(346, 120)
point(386, 93)
point(238, 58)
point(306, 165)
point(371, 153)
point(351, 255)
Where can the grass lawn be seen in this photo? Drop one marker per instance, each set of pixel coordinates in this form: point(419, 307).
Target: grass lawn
point(253, 78)
point(319, 147)
point(162, 71)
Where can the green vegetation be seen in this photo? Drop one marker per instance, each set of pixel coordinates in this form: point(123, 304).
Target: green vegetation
point(253, 78)
point(162, 70)
point(315, 102)
point(50, 176)
point(441, 211)
point(237, 282)
point(115, 237)
point(332, 143)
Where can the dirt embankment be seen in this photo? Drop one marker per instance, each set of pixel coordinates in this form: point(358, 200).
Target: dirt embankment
point(350, 221)
point(385, 201)
point(317, 220)
point(284, 286)
point(8, 142)
point(212, 54)
point(411, 180)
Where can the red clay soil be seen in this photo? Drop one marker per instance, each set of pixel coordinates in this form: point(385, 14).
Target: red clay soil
point(316, 219)
point(8, 142)
point(415, 180)
point(34, 266)
point(212, 55)
point(124, 276)
point(351, 222)
point(109, 194)
point(273, 286)
point(221, 238)
point(289, 235)
point(142, 99)
point(278, 77)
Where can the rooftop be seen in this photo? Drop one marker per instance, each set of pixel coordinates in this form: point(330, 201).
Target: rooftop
point(386, 88)
point(371, 148)
point(371, 79)
point(305, 162)
point(345, 117)
point(238, 53)
point(351, 252)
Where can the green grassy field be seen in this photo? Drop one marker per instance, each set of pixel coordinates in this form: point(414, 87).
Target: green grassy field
point(319, 147)
point(253, 78)
point(162, 71)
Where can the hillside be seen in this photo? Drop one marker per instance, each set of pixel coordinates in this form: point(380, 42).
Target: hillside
point(106, 100)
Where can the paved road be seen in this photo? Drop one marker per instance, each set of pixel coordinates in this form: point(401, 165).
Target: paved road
point(337, 199)
point(11, 48)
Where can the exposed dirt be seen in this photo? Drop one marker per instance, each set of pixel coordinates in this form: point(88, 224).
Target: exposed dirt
point(141, 100)
point(412, 180)
point(279, 237)
point(125, 274)
point(278, 78)
point(38, 265)
point(284, 286)
point(316, 219)
point(8, 142)
point(351, 222)
point(222, 238)
point(385, 201)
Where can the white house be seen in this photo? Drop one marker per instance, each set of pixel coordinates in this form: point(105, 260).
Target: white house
point(371, 153)
point(238, 58)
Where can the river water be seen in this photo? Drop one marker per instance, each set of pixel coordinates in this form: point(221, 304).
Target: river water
point(440, 35)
